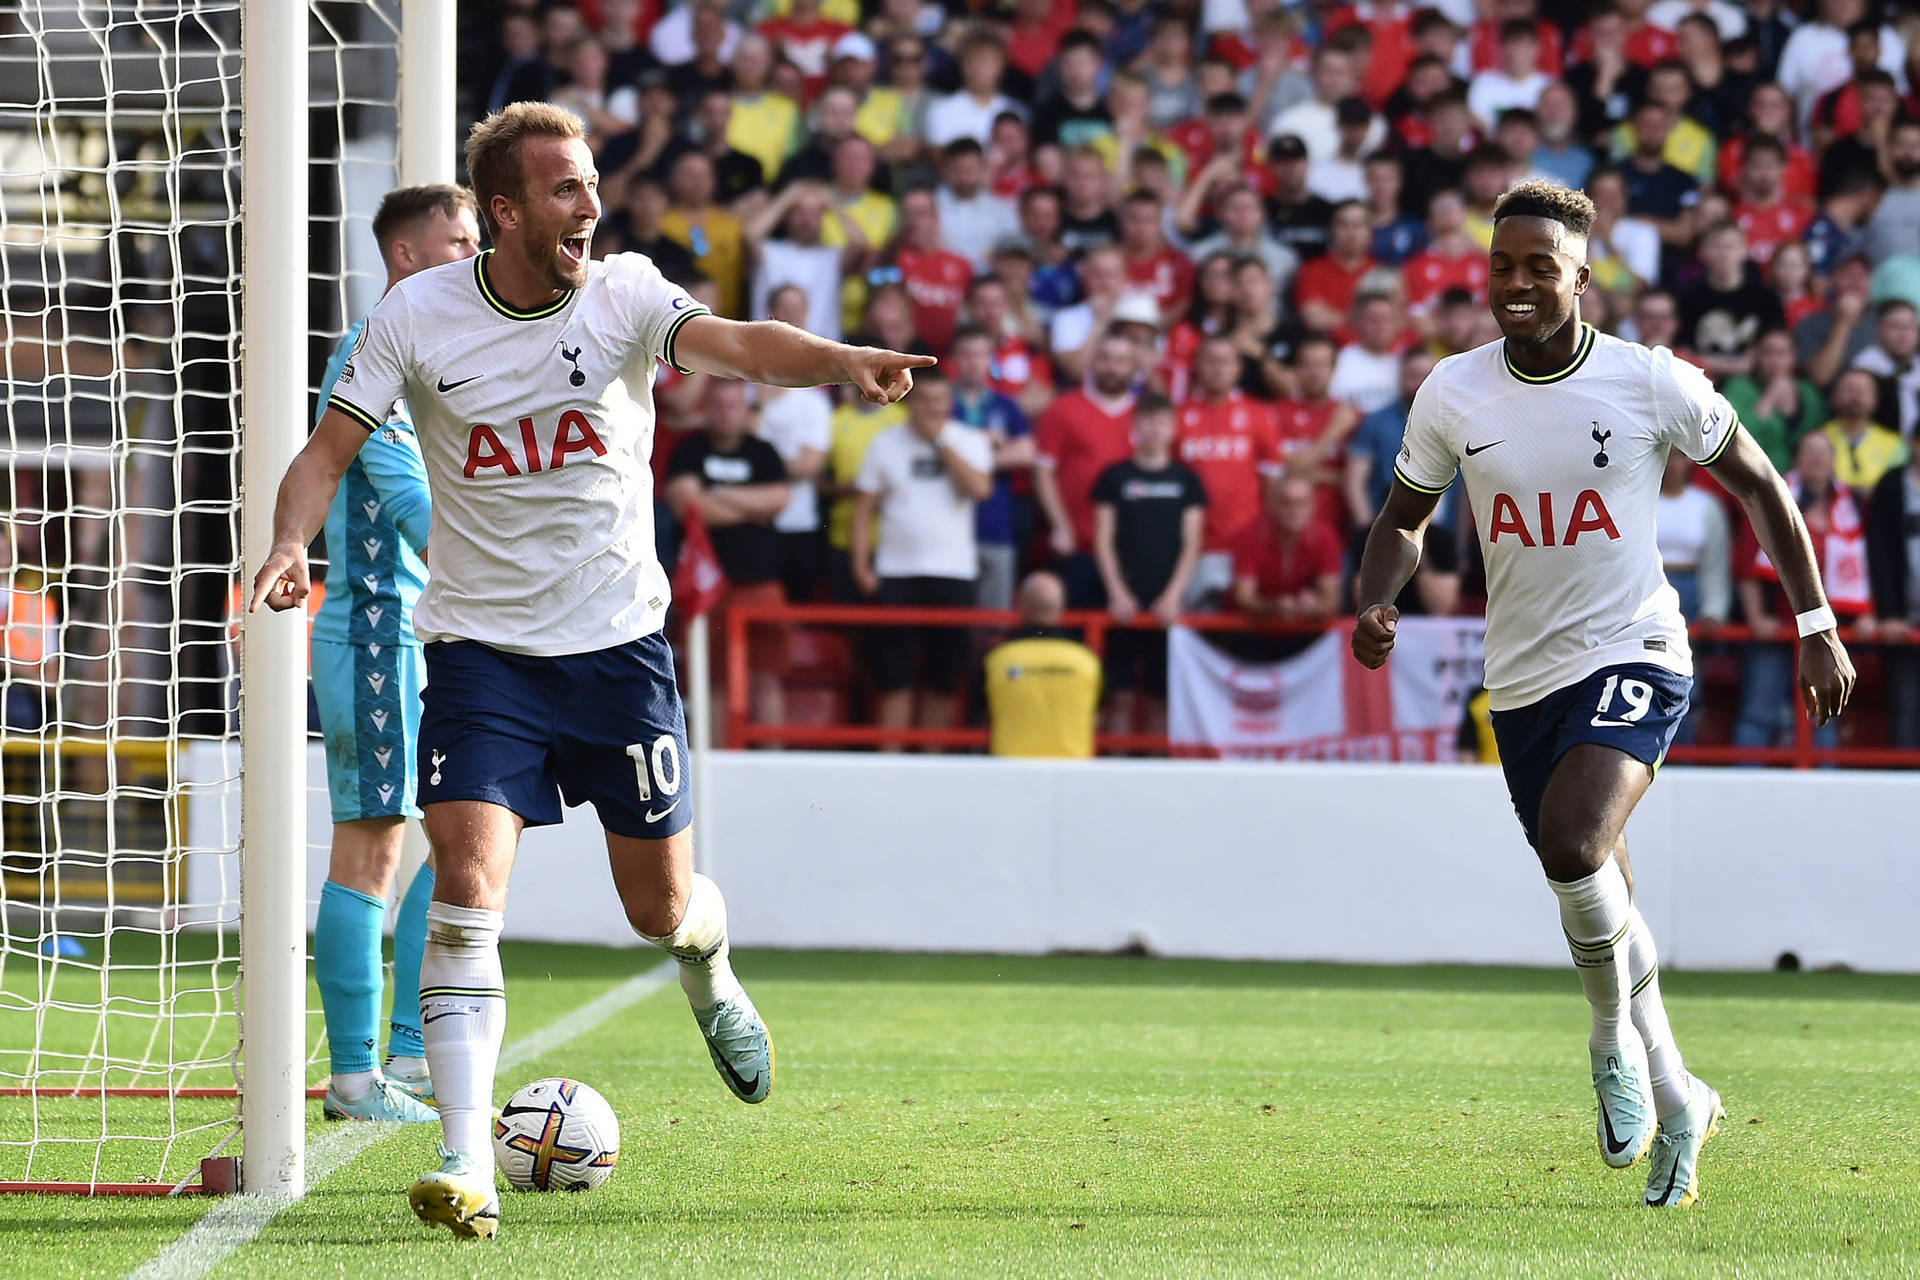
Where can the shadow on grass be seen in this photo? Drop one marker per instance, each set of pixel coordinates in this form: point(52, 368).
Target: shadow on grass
point(1148, 972)
point(74, 1217)
point(565, 963)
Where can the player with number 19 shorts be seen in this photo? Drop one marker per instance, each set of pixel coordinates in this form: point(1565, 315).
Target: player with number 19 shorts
point(1562, 435)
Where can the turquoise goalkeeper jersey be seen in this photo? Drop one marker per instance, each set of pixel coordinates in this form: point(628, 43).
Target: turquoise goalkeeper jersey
point(376, 530)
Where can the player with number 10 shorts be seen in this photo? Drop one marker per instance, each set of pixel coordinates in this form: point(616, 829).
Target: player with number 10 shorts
point(529, 371)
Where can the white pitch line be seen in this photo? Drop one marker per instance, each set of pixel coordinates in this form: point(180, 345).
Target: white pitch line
point(237, 1220)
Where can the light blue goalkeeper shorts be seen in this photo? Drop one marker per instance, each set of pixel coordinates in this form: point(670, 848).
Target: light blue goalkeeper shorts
point(370, 715)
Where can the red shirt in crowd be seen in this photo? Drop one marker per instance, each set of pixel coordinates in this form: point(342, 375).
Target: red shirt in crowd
point(1800, 183)
point(1079, 439)
point(1768, 226)
point(1486, 46)
point(1300, 424)
point(1391, 25)
point(1428, 274)
point(1167, 275)
point(1800, 308)
point(1283, 569)
point(1323, 279)
point(1228, 443)
point(1030, 49)
point(1193, 137)
point(1013, 182)
point(1016, 366)
point(937, 282)
point(1183, 343)
point(643, 18)
point(1840, 110)
point(807, 44)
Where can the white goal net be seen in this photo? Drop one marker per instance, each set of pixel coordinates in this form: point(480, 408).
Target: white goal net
point(120, 217)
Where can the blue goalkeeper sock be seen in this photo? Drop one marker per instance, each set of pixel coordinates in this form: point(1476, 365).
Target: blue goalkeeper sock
point(409, 942)
point(346, 960)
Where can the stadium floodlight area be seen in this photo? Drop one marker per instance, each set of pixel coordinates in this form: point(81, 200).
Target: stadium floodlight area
point(186, 190)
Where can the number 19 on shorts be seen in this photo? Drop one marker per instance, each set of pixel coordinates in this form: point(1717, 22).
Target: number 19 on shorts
point(1637, 694)
point(662, 762)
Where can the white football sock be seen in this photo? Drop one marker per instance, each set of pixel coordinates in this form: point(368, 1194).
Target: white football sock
point(463, 1016)
point(406, 1067)
point(1672, 1086)
point(700, 944)
point(1595, 913)
point(351, 1085)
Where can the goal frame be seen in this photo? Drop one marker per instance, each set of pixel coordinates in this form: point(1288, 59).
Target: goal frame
point(273, 397)
point(275, 260)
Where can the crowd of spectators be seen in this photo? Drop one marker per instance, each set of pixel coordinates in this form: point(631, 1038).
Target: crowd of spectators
point(1187, 261)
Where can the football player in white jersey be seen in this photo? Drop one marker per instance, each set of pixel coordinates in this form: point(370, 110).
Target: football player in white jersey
point(1562, 434)
point(529, 372)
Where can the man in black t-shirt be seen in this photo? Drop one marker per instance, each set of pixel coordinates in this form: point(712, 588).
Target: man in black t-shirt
point(1147, 519)
point(736, 483)
point(1722, 318)
point(1299, 219)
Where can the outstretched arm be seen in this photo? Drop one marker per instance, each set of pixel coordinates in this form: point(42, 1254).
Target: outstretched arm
point(301, 508)
point(780, 355)
point(1387, 564)
point(1826, 673)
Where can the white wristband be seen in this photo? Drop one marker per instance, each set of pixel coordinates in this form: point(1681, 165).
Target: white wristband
point(1814, 621)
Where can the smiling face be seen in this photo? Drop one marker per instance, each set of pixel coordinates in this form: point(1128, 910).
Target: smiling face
point(551, 225)
point(1537, 271)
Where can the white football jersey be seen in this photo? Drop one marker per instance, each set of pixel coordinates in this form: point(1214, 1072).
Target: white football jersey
point(1564, 475)
point(537, 428)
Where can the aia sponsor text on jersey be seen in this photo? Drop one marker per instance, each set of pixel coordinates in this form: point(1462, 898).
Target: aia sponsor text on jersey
point(1588, 515)
point(538, 449)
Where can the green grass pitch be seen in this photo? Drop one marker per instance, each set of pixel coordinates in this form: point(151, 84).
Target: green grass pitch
point(1116, 1117)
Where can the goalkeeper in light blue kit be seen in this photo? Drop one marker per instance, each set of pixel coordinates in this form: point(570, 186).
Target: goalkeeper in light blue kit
point(367, 676)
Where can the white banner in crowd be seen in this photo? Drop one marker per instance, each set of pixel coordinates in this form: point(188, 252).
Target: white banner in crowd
point(1321, 704)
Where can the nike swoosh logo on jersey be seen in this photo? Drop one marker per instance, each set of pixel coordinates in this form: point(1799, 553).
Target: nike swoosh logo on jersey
point(1599, 723)
point(1482, 448)
point(446, 386)
point(655, 817)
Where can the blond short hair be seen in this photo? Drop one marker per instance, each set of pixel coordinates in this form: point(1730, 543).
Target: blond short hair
point(494, 163)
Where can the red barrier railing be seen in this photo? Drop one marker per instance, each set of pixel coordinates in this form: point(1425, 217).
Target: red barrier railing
point(1093, 626)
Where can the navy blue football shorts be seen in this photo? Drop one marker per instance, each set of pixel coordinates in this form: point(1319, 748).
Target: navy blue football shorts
point(605, 728)
point(1635, 708)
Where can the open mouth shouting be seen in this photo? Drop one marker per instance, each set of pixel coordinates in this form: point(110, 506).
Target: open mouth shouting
point(575, 247)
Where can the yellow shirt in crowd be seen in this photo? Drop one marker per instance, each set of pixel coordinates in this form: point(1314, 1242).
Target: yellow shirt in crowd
point(1860, 466)
point(766, 127)
point(844, 12)
point(854, 427)
point(719, 247)
point(877, 216)
point(1042, 694)
point(1690, 148)
point(882, 116)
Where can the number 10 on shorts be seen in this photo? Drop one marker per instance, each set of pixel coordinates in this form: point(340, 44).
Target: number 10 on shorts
point(664, 758)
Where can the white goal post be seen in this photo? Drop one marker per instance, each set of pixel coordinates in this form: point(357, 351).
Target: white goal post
point(186, 193)
point(274, 409)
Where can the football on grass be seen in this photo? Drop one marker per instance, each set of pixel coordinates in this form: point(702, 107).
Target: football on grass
point(556, 1135)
